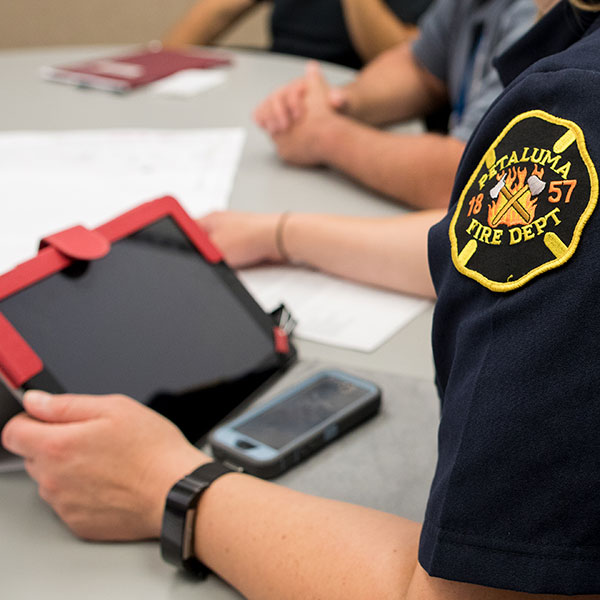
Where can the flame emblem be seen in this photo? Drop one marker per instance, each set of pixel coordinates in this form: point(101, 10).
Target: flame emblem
point(513, 203)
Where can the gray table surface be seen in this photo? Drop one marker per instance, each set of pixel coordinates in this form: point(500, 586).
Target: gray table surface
point(386, 464)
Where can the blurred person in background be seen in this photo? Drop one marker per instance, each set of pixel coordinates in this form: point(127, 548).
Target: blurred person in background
point(450, 63)
point(346, 32)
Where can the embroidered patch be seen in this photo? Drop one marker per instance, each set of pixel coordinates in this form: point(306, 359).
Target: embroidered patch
point(524, 208)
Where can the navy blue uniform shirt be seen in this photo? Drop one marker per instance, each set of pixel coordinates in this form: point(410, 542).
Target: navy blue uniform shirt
point(317, 28)
point(515, 501)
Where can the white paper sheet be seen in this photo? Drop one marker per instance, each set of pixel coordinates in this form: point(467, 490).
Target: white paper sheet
point(330, 310)
point(189, 83)
point(51, 181)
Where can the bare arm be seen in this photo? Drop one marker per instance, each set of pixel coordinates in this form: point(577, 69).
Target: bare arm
point(387, 252)
point(206, 20)
point(269, 542)
point(302, 546)
point(418, 170)
point(393, 88)
point(374, 27)
point(276, 544)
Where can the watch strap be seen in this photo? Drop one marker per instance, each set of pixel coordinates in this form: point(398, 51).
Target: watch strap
point(177, 536)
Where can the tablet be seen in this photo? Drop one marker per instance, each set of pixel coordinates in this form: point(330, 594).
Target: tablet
point(153, 313)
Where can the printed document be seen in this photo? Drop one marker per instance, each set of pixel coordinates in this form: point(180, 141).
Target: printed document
point(331, 310)
point(54, 180)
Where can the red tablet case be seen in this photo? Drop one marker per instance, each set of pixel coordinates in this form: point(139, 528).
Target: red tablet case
point(124, 73)
point(18, 361)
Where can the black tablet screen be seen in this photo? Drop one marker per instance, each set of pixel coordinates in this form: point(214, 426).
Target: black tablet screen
point(152, 320)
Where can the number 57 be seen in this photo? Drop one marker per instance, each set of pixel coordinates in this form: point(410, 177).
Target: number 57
point(555, 191)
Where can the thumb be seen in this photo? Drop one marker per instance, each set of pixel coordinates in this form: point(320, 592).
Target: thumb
point(338, 99)
point(314, 77)
point(209, 221)
point(64, 408)
point(203, 223)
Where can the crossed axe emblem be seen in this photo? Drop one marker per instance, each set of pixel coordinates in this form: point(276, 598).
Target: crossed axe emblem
point(534, 185)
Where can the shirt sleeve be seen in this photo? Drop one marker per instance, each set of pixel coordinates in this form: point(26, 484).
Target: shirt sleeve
point(513, 24)
point(515, 501)
point(431, 47)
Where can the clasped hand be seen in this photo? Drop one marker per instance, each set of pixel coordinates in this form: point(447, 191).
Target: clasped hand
point(299, 115)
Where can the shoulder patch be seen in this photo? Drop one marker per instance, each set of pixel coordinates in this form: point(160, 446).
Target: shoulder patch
point(524, 208)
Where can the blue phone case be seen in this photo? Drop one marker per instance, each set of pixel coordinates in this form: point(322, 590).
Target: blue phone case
point(256, 457)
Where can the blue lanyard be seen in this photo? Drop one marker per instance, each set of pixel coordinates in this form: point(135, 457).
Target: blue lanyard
point(459, 107)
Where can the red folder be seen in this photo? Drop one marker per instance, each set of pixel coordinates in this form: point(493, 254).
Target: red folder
point(125, 73)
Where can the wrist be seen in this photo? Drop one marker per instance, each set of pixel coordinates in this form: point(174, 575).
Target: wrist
point(327, 143)
point(280, 245)
point(269, 231)
point(165, 477)
point(351, 106)
point(178, 542)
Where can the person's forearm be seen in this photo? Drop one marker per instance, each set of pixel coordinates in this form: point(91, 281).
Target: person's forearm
point(373, 27)
point(394, 87)
point(418, 170)
point(272, 543)
point(205, 21)
point(389, 252)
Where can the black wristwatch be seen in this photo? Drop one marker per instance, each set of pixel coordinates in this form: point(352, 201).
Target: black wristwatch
point(177, 536)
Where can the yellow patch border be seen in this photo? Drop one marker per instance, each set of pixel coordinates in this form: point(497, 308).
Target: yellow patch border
point(508, 286)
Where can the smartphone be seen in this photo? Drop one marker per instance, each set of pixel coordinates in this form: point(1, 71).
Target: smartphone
point(272, 438)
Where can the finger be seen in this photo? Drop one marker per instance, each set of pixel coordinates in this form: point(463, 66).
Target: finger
point(263, 111)
point(264, 114)
point(204, 224)
point(32, 468)
point(296, 101)
point(281, 114)
point(259, 117)
point(27, 437)
point(314, 77)
point(209, 222)
point(338, 98)
point(7, 433)
point(271, 126)
point(63, 408)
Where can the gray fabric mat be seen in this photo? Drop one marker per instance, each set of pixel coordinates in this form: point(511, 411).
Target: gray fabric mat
point(386, 463)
